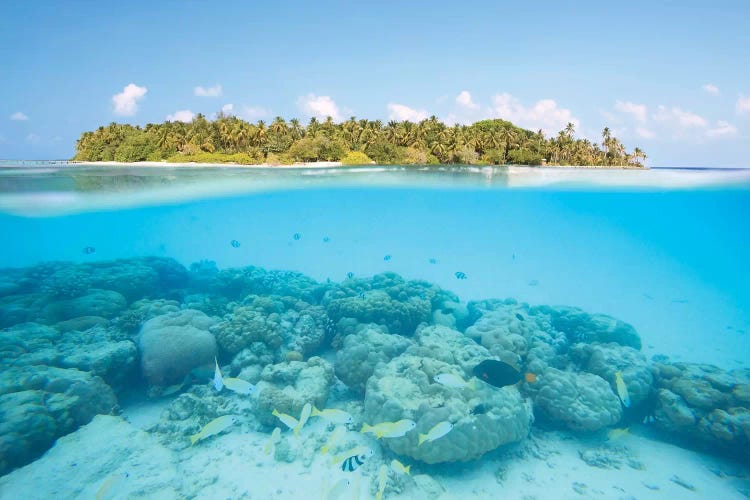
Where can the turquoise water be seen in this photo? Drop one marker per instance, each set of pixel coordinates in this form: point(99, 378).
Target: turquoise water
point(665, 254)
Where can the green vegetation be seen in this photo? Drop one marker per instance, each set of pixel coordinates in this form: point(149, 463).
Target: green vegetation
point(229, 139)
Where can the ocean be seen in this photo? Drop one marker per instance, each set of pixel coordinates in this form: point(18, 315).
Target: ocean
point(593, 274)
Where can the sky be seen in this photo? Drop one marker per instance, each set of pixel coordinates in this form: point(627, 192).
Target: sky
point(671, 77)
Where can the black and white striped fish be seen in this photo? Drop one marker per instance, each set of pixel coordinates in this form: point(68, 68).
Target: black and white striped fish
point(352, 463)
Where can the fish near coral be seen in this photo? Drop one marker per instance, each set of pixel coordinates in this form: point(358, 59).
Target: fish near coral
point(270, 446)
point(400, 468)
point(214, 427)
point(353, 462)
point(500, 373)
point(333, 415)
point(382, 480)
point(438, 431)
point(622, 390)
point(454, 381)
point(239, 386)
point(334, 438)
point(287, 420)
point(218, 379)
point(303, 417)
point(389, 429)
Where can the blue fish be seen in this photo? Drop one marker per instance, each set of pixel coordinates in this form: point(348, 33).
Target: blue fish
point(460, 275)
point(362, 295)
point(89, 250)
point(387, 258)
point(235, 243)
point(326, 239)
point(297, 236)
point(433, 261)
point(350, 275)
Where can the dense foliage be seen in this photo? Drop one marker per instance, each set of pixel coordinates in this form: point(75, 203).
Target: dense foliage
point(231, 139)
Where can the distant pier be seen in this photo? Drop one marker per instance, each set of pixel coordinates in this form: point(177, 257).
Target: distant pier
point(38, 163)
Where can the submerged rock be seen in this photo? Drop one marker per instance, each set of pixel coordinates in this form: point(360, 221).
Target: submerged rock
point(38, 404)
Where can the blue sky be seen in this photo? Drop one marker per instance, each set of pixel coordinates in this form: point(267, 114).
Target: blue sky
point(672, 78)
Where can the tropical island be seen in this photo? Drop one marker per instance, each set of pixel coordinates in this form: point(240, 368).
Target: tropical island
point(229, 139)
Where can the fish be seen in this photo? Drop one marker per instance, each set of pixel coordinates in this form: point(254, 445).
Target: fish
point(357, 450)
point(400, 468)
point(333, 415)
point(239, 386)
point(297, 236)
point(389, 429)
point(353, 462)
point(362, 295)
point(338, 489)
point(334, 438)
point(451, 380)
point(514, 257)
point(108, 484)
point(622, 390)
point(218, 380)
point(270, 446)
point(214, 427)
point(235, 243)
point(500, 373)
point(303, 417)
point(433, 261)
point(617, 433)
point(460, 275)
point(326, 239)
point(519, 317)
point(287, 420)
point(437, 431)
point(89, 250)
point(382, 481)
point(387, 258)
point(350, 275)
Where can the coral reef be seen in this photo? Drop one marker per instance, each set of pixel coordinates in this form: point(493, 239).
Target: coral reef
point(172, 344)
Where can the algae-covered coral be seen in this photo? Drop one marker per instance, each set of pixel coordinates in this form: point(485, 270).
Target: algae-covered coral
point(391, 353)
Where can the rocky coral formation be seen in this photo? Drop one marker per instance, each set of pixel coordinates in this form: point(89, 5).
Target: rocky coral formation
point(483, 417)
point(706, 404)
point(287, 386)
point(172, 344)
point(579, 401)
point(363, 350)
point(38, 404)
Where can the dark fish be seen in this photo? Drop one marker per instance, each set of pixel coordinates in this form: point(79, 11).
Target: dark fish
point(433, 261)
point(326, 239)
point(533, 282)
point(235, 243)
point(362, 295)
point(519, 317)
point(297, 236)
point(387, 258)
point(460, 275)
point(89, 250)
point(497, 373)
point(352, 463)
point(350, 275)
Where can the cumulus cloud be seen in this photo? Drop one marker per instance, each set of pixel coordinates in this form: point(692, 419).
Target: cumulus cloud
point(464, 100)
point(183, 115)
point(400, 112)
point(711, 89)
point(544, 114)
point(254, 113)
point(19, 116)
point(743, 104)
point(638, 111)
point(679, 117)
point(320, 107)
point(645, 133)
point(126, 102)
point(214, 91)
point(227, 108)
point(722, 129)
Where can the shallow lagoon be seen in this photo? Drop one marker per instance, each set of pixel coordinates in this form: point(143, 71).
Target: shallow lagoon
point(662, 251)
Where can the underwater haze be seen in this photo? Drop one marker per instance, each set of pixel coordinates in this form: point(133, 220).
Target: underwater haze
point(620, 298)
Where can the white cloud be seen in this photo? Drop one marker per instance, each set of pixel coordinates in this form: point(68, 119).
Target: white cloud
point(464, 100)
point(679, 117)
point(743, 104)
point(544, 114)
point(214, 91)
point(183, 115)
point(320, 107)
point(637, 110)
point(227, 108)
point(33, 138)
point(126, 102)
point(711, 89)
point(399, 112)
point(254, 113)
point(721, 129)
point(19, 116)
point(645, 133)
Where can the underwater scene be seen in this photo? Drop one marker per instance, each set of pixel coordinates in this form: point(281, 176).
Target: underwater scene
point(388, 333)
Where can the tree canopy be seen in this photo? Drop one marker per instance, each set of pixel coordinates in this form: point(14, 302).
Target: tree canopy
point(231, 139)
